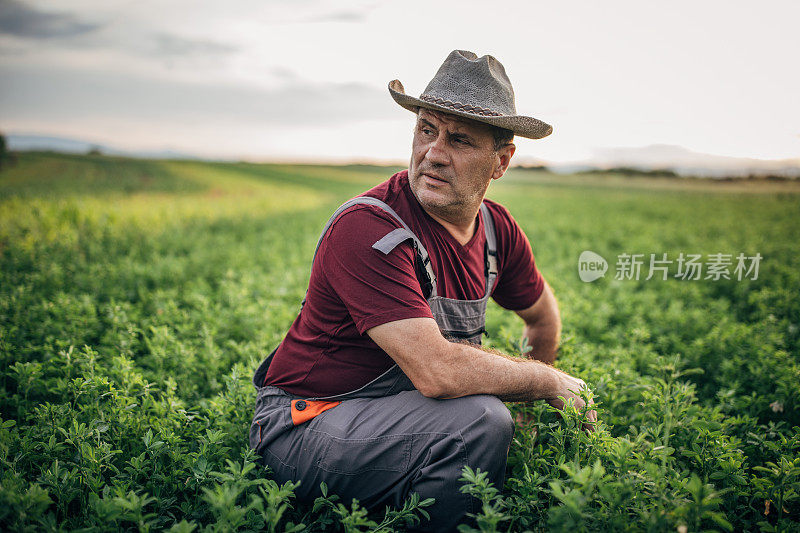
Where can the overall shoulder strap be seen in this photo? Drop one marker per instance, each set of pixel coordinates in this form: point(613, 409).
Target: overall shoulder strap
point(388, 242)
point(369, 200)
point(491, 239)
point(490, 250)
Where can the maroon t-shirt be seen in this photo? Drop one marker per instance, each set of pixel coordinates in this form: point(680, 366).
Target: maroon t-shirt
point(354, 287)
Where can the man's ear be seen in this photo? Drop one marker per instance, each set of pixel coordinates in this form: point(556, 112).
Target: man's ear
point(504, 156)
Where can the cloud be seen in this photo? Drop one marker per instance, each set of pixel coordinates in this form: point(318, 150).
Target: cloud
point(20, 20)
point(358, 11)
point(28, 93)
point(283, 73)
point(22, 26)
point(339, 16)
point(174, 45)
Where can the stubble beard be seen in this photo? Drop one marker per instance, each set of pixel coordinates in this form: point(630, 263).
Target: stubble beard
point(456, 208)
point(432, 200)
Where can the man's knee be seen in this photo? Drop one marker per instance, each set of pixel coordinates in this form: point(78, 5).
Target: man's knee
point(484, 426)
point(492, 421)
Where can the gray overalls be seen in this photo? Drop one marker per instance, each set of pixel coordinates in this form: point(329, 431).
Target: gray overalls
point(385, 440)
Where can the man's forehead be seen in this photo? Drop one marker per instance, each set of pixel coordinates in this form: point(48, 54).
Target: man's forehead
point(454, 121)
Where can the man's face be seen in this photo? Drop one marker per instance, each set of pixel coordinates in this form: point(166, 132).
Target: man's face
point(452, 163)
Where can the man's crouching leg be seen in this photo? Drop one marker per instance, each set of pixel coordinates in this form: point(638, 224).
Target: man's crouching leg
point(479, 436)
point(380, 450)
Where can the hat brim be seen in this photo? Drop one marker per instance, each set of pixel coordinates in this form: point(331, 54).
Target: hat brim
point(523, 126)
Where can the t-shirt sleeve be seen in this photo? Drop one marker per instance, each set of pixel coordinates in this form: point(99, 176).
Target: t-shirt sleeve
point(376, 288)
point(519, 282)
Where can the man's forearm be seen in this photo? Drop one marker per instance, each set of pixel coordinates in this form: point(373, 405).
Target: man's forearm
point(439, 368)
point(542, 327)
point(512, 379)
point(543, 340)
point(442, 369)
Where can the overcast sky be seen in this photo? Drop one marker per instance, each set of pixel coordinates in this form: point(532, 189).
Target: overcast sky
point(306, 79)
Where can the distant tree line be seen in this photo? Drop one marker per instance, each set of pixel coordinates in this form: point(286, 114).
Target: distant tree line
point(632, 171)
point(668, 173)
point(757, 177)
point(6, 157)
point(538, 168)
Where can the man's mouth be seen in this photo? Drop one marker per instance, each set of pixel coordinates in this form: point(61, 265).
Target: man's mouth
point(435, 177)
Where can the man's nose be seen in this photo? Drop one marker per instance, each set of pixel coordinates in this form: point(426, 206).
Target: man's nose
point(437, 152)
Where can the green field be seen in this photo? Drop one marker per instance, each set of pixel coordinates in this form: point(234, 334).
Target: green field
point(137, 297)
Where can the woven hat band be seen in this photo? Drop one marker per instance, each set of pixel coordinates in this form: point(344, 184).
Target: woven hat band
point(459, 106)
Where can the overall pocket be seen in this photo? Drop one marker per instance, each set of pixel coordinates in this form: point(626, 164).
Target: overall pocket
point(390, 453)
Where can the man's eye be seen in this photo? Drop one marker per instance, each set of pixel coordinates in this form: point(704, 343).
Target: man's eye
point(461, 141)
point(427, 131)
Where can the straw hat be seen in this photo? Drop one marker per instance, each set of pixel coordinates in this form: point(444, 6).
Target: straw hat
point(476, 88)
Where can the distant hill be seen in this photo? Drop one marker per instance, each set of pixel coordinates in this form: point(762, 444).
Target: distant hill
point(76, 146)
point(688, 163)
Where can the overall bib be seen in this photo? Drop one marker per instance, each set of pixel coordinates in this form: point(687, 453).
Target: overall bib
point(383, 441)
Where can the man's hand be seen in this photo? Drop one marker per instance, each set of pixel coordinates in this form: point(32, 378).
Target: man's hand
point(571, 388)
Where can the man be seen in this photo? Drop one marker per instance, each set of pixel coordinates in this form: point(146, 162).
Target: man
point(380, 388)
